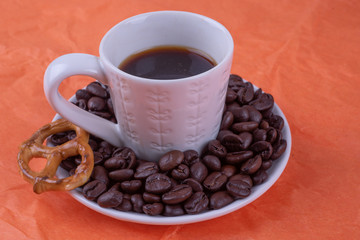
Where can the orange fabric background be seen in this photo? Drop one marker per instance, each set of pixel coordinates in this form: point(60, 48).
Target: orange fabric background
point(305, 53)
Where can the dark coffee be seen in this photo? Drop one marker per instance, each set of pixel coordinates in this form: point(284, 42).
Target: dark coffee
point(167, 62)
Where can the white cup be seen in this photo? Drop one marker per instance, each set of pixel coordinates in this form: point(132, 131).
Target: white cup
point(154, 116)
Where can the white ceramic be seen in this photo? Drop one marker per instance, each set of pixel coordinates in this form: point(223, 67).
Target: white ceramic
point(274, 173)
point(154, 116)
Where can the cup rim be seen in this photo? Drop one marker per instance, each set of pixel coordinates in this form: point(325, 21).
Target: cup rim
point(227, 56)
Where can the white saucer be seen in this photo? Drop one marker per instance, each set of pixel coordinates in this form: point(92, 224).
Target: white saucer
point(274, 173)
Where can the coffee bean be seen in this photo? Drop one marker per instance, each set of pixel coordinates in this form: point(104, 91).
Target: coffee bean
point(191, 157)
point(227, 120)
point(220, 199)
point(246, 139)
point(105, 151)
point(137, 202)
point(263, 148)
point(266, 164)
point(173, 183)
point(173, 210)
point(93, 189)
point(277, 122)
point(278, 139)
point(116, 162)
point(121, 174)
point(235, 82)
point(93, 144)
point(171, 160)
point(259, 135)
point(131, 186)
point(263, 102)
point(194, 184)
point(146, 169)
point(108, 146)
point(258, 93)
point(231, 141)
point(102, 114)
point(230, 96)
point(264, 124)
point(238, 157)
point(198, 171)
point(234, 142)
point(96, 104)
point(251, 165)
point(215, 181)
point(197, 203)
point(127, 154)
point(151, 198)
point(254, 114)
point(246, 93)
point(222, 134)
point(242, 177)
point(153, 209)
point(110, 199)
point(267, 114)
point(82, 103)
point(115, 187)
point(157, 183)
point(177, 195)
point(125, 205)
point(228, 170)
point(232, 107)
point(98, 158)
point(215, 148)
point(101, 174)
point(238, 188)
point(96, 89)
point(181, 172)
point(212, 162)
point(82, 94)
point(241, 114)
point(58, 138)
point(279, 149)
point(244, 126)
point(68, 164)
point(259, 177)
point(127, 196)
point(271, 134)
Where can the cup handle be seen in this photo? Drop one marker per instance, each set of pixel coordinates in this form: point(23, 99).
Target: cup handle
point(78, 64)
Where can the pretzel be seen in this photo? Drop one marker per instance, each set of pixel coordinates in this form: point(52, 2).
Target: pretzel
point(45, 180)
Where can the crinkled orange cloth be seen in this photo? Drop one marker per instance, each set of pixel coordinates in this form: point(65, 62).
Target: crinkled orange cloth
point(305, 53)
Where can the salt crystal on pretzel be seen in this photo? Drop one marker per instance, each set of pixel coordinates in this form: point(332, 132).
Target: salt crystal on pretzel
point(45, 180)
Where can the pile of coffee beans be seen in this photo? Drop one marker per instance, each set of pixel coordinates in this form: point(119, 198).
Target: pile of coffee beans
point(95, 98)
point(188, 182)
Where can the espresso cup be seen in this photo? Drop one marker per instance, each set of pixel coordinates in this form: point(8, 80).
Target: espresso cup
point(154, 116)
